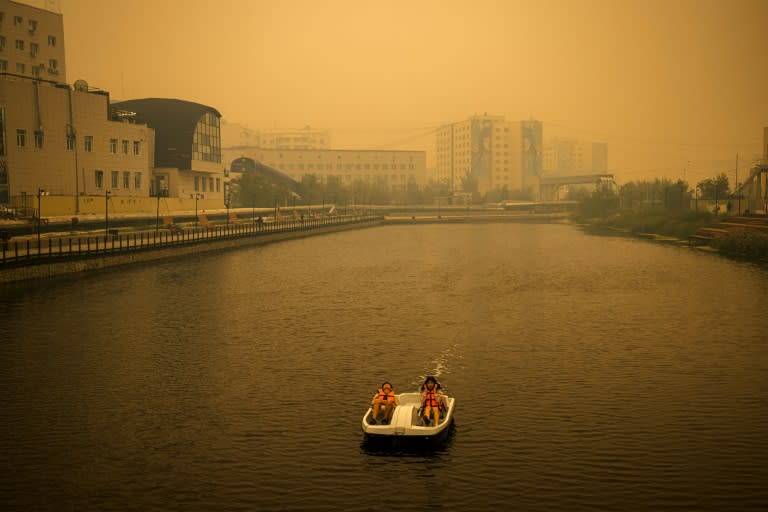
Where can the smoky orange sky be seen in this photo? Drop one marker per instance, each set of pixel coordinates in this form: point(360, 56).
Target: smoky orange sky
point(677, 88)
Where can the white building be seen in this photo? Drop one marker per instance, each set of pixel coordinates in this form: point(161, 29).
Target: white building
point(31, 42)
point(236, 135)
point(396, 169)
point(488, 152)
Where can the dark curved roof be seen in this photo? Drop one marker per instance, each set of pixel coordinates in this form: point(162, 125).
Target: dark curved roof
point(174, 123)
point(243, 164)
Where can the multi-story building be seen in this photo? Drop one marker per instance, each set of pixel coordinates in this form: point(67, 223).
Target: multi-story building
point(187, 153)
point(396, 169)
point(59, 140)
point(304, 138)
point(31, 42)
point(236, 135)
point(569, 157)
point(488, 152)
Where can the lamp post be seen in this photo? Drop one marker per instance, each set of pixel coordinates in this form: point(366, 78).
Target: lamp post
point(107, 195)
point(40, 193)
point(226, 204)
point(197, 196)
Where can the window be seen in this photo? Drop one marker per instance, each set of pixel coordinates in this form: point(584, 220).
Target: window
point(113, 146)
point(32, 26)
point(125, 147)
point(115, 179)
point(137, 181)
point(53, 66)
point(2, 42)
point(21, 138)
point(88, 143)
point(136, 147)
point(35, 71)
point(20, 68)
point(205, 184)
point(99, 178)
point(218, 184)
point(126, 180)
point(33, 49)
point(51, 40)
point(18, 21)
point(19, 44)
point(70, 142)
point(39, 139)
point(197, 184)
point(206, 144)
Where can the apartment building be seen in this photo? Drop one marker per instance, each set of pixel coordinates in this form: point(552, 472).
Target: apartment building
point(570, 157)
point(486, 152)
point(31, 42)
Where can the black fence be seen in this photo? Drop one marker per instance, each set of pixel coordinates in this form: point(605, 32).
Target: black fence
point(34, 251)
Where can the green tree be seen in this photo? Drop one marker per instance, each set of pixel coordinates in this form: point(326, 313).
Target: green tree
point(600, 203)
point(717, 188)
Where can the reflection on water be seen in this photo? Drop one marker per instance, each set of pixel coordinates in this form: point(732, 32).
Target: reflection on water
point(589, 372)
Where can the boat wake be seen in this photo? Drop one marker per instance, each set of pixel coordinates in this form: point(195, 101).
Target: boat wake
point(441, 366)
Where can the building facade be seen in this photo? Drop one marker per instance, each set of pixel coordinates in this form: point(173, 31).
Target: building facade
point(396, 169)
point(569, 157)
point(31, 42)
point(187, 150)
point(304, 138)
point(236, 135)
point(486, 152)
point(59, 140)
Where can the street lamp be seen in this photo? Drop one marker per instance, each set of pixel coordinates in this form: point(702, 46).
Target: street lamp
point(226, 203)
point(107, 195)
point(40, 193)
point(197, 196)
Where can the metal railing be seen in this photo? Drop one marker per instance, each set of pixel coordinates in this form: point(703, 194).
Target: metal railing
point(61, 248)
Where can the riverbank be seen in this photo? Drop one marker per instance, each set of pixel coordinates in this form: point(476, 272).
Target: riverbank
point(744, 238)
point(99, 261)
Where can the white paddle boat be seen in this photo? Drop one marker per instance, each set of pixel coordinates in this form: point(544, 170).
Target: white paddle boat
point(406, 421)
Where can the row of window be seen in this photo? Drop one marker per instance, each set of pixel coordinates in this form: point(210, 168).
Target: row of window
point(36, 71)
point(124, 146)
point(39, 138)
point(339, 167)
point(18, 22)
point(203, 184)
point(33, 47)
point(115, 179)
point(394, 178)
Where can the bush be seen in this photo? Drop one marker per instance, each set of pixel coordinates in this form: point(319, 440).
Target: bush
point(743, 244)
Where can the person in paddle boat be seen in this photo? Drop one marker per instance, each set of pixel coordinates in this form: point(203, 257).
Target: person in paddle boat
point(431, 400)
point(383, 403)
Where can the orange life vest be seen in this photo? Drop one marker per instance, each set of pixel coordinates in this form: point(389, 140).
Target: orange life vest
point(381, 395)
point(430, 399)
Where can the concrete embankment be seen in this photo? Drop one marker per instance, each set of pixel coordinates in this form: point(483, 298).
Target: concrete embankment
point(72, 266)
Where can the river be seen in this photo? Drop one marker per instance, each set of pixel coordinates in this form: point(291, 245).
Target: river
point(590, 373)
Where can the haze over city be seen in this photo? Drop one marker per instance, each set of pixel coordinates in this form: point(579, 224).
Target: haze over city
point(676, 89)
